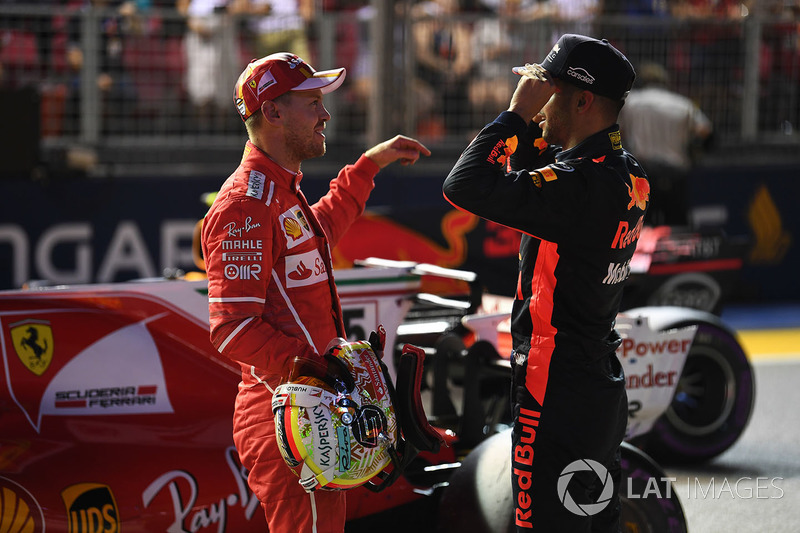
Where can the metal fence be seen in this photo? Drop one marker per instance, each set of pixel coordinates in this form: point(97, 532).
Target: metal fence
point(146, 90)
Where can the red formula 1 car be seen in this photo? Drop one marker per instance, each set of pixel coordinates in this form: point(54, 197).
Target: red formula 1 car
point(115, 411)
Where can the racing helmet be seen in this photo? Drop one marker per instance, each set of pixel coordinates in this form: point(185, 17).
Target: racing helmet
point(334, 420)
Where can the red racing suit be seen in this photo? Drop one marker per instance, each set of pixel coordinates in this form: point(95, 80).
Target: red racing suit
point(580, 212)
point(272, 297)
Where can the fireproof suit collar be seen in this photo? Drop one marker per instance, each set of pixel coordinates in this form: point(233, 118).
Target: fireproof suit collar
point(607, 141)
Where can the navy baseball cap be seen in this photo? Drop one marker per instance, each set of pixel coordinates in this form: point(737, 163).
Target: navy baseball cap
point(591, 64)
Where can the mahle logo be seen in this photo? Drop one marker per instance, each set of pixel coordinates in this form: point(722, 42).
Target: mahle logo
point(585, 509)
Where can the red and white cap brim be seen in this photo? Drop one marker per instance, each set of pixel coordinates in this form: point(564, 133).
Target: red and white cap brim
point(325, 80)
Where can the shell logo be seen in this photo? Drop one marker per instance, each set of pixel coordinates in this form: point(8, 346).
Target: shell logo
point(19, 511)
point(292, 228)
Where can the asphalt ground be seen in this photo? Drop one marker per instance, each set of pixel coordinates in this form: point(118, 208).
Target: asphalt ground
point(755, 485)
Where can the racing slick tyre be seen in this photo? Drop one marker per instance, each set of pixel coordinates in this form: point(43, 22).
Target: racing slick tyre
point(712, 403)
point(647, 499)
point(479, 498)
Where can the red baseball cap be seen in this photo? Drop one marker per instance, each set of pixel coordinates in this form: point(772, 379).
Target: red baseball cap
point(271, 76)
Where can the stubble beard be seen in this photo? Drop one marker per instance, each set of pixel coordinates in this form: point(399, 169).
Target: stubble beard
point(302, 147)
point(552, 133)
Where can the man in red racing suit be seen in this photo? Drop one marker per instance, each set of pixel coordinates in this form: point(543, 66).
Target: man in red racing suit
point(580, 207)
point(268, 257)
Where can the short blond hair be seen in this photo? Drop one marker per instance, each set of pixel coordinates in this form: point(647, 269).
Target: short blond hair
point(252, 123)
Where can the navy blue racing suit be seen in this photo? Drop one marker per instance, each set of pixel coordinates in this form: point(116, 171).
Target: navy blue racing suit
point(580, 212)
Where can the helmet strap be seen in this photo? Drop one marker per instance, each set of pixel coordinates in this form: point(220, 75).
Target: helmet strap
point(417, 434)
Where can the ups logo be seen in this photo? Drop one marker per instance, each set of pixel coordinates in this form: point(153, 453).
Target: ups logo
point(91, 508)
point(33, 342)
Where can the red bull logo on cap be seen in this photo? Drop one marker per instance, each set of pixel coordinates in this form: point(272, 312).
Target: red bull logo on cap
point(639, 191)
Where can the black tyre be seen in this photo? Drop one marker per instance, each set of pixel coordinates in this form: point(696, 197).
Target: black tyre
point(479, 498)
point(647, 498)
point(712, 403)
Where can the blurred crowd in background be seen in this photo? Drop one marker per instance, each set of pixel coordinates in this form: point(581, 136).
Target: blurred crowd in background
point(109, 73)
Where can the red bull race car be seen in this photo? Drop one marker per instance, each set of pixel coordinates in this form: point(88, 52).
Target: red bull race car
point(116, 411)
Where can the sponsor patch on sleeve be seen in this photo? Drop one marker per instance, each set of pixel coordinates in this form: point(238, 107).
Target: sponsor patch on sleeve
point(255, 184)
point(639, 190)
point(546, 173)
point(503, 150)
point(295, 226)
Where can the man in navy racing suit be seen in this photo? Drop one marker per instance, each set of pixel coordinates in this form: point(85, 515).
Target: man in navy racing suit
point(553, 167)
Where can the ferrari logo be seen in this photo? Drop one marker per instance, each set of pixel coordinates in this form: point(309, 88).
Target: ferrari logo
point(33, 342)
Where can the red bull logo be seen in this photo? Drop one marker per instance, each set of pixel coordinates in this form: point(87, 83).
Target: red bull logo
point(639, 191)
point(503, 150)
point(375, 235)
point(510, 148)
point(379, 236)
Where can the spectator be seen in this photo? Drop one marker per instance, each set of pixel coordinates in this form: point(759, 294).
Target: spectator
point(572, 10)
point(117, 91)
point(443, 61)
point(495, 40)
point(155, 59)
point(780, 66)
point(354, 50)
point(572, 15)
point(712, 43)
point(280, 25)
point(664, 129)
point(35, 33)
point(644, 33)
point(212, 59)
